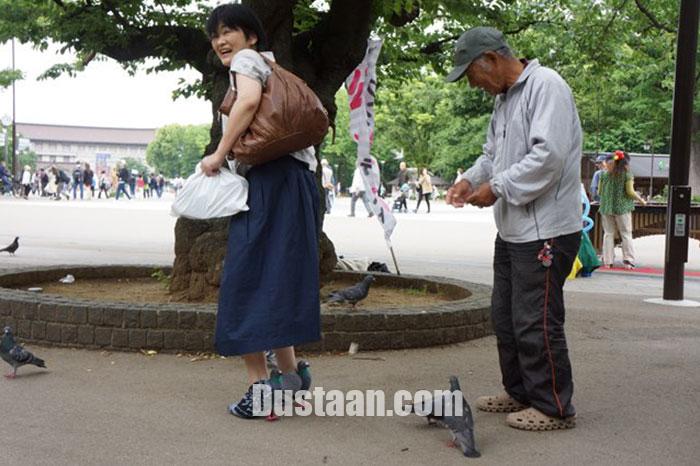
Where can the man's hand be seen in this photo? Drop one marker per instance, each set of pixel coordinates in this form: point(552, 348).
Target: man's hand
point(459, 192)
point(211, 164)
point(483, 196)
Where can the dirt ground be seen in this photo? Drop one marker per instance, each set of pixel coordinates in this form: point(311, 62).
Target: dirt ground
point(150, 290)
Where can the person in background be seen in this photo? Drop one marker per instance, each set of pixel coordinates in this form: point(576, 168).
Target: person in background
point(44, 180)
point(402, 177)
point(36, 183)
point(26, 181)
point(146, 186)
point(104, 184)
point(426, 189)
point(161, 185)
point(357, 191)
point(132, 181)
point(78, 180)
point(89, 179)
point(153, 185)
point(617, 196)
point(123, 176)
point(600, 169)
point(327, 183)
point(5, 178)
point(51, 187)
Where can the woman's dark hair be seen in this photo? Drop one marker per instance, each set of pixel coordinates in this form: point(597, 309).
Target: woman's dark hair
point(620, 161)
point(239, 17)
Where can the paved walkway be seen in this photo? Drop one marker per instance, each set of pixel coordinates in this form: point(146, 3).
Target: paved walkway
point(636, 365)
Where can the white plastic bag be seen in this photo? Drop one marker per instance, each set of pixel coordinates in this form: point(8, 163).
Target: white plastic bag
point(203, 197)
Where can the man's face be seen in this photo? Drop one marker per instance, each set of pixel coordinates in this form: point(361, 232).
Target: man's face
point(483, 73)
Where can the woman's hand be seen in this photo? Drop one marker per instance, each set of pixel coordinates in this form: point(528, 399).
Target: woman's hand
point(211, 164)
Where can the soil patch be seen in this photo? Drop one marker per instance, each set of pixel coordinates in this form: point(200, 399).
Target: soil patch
point(150, 290)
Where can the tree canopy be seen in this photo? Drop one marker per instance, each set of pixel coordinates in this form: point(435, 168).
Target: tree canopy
point(617, 56)
point(176, 149)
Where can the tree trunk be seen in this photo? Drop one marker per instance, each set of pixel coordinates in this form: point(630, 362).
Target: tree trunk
point(323, 57)
point(694, 175)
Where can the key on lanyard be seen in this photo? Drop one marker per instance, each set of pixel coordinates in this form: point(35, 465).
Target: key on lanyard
point(545, 255)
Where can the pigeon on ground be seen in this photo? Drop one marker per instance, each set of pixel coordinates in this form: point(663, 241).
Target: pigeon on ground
point(12, 247)
point(271, 359)
point(15, 355)
point(440, 411)
point(305, 374)
point(353, 294)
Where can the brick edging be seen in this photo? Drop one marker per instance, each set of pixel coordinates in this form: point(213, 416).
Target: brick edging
point(74, 322)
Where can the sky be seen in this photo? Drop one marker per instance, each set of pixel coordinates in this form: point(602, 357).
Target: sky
point(102, 95)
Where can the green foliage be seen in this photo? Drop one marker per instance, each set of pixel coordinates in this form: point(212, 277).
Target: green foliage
point(176, 149)
point(162, 277)
point(433, 124)
point(27, 157)
point(617, 56)
point(8, 76)
point(135, 164)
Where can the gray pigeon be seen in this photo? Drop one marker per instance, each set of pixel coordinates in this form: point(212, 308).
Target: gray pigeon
point(440, 411)
point(12, 247)
point(353, 294)
point(15, 355)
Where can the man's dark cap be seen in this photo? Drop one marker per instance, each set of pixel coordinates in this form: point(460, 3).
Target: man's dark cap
point(471, 45)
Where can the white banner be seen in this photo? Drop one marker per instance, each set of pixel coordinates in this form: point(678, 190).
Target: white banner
point(361, 86)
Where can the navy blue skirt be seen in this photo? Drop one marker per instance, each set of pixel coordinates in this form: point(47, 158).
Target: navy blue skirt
point(269, 293)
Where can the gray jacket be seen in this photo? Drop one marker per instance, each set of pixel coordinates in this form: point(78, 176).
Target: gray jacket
point(532, 158)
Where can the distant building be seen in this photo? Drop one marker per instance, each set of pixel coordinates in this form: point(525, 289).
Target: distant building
point(102, 148)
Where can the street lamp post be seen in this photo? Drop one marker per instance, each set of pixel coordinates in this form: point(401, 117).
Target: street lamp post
point(15, 162)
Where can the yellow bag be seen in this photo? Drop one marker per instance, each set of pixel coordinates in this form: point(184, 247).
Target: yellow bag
point(575, 269)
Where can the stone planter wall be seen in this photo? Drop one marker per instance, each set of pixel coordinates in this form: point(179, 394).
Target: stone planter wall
point(60, 321)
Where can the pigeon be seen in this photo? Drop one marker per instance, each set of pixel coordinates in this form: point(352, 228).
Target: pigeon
point(353, 294)
point(15, 355)
point(12, 247)
point(305, 374)
point(271, 359)
point(440, 411)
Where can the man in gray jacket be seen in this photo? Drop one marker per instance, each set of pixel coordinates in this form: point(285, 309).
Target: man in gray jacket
point(530, 172)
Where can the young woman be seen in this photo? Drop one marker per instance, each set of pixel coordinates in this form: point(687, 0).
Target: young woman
point(269, 291)
point(426, 188)
point(617, 196)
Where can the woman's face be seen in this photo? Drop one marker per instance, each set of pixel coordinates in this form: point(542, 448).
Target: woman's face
point(228, 41)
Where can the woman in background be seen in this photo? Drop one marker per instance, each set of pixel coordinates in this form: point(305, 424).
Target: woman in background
point(617, 196)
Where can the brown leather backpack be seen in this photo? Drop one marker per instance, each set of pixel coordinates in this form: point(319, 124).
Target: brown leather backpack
point(290, 118)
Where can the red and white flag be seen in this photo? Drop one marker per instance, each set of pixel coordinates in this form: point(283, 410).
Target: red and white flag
point(361, 86)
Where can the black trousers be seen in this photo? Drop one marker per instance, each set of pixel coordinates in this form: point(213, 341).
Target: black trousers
point(527, 308)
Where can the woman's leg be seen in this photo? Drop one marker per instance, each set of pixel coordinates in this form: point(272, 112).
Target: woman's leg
point(427, 200)
point(420, 198)
point(286, 359)
point(256, 366)
point(624, 226)
point(608, 239)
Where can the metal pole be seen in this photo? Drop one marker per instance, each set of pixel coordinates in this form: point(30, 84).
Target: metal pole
point(15, 164)
point(651, 185)
point(678, 209)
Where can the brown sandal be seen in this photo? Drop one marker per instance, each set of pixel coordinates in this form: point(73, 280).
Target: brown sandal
point(533, 419)
point(502, 403)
